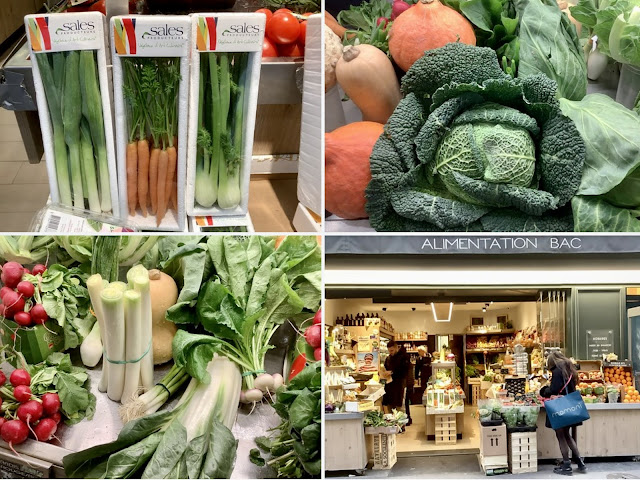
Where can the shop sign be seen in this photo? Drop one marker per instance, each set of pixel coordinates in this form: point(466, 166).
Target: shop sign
point(599, 342)
point(480, 244)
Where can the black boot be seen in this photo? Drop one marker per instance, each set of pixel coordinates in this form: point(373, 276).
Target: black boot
point(564, 468)
point(582, 468)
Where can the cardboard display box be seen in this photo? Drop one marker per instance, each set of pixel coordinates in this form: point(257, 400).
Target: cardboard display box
point(493, 441)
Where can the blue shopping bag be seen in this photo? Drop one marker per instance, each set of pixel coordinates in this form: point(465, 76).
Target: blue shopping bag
point(566, 410)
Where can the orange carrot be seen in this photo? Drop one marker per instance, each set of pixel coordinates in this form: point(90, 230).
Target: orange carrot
point(132, 171)
point(174, 193)
point(153, 179)
point(163, 165)
point(171, 172)
point(143, 175)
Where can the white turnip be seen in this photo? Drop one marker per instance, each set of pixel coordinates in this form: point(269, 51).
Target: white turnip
point(278, 381)
point(253, 395)
point(264, 382)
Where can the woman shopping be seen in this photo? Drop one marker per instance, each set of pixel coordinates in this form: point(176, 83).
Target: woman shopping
point(563, 382)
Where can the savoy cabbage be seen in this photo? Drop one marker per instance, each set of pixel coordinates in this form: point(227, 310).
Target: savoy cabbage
point(471, 148)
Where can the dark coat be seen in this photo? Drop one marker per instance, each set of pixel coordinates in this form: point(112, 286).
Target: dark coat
point(554, 388)
point(423, 369)
point(399, 364)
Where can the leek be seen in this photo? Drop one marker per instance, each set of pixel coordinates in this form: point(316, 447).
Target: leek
point(113, 311)
point(95, 286)
point(133, 343)
point(141, 284)
point(71, 116)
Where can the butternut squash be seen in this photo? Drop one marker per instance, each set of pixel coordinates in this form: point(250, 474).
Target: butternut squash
point(347, 173)
point(366, 75)
point(427, 25)
point(164, 294)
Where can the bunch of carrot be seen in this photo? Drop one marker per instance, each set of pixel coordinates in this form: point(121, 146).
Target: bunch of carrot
point(151, 97)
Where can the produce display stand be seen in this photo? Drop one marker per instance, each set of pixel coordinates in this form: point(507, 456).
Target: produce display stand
point(381, 446)
point(523, 452)
point(612, 431)
point(344, 442)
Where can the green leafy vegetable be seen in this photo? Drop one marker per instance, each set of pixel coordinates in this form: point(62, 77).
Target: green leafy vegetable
point(470, 148)
point(362, 24)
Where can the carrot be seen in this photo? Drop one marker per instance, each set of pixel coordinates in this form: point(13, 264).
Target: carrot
point(153, 179)
point(163, 166)
point(143, 174)
point(174, 193)
point(171, 172)
point(132, 171)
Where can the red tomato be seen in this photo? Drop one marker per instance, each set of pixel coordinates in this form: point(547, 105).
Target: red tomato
point(267, 13)
point(268, 48)
point(302, 38)
point(291, 50)
point(99, 6)
point(282, 10)
point(283, 28)
point(307, 14)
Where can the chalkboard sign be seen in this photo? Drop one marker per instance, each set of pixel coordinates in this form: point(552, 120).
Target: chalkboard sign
point(599, 342)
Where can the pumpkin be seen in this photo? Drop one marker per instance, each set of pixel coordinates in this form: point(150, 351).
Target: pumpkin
point(366, 75)
point(347, 173)
point(427, 25)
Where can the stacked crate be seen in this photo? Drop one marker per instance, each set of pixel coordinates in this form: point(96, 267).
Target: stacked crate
point(384, 446)
point(523, 452)
point(446, 431)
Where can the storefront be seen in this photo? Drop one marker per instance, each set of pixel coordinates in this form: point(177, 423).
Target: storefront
point(479, 322)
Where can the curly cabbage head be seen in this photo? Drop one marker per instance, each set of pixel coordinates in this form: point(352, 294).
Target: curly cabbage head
point(470, 148)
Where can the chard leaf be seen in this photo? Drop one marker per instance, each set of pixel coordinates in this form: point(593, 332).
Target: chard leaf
point(129, 461)
point(221, 453)
point(610, 132)
point(259, 286)
point(236, 260)
point(194, 455)
point(194, 352)
point(281, 302)
point(309, 288)
point(169, 452)
point(218, 311)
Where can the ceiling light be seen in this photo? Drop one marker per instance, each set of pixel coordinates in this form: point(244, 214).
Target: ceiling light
point(435, 317)
point(484, 309)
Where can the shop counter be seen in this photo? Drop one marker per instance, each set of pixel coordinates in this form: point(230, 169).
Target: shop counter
point(344, 443)
point(611, 431)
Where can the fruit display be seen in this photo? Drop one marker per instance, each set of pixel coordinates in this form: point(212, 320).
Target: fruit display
point(515, 387)
point(595, 388)
point(527, 337)
point(622, 375)
point(631, 395)
point(486, 342)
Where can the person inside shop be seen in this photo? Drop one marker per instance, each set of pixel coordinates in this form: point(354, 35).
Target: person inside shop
point(396, 368)
point(423, 366)
point(563, 381)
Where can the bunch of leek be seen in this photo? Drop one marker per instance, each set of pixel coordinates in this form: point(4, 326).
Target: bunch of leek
point(72, 91)
point(220, 129)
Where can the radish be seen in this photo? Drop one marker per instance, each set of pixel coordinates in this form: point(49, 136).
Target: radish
point(26, 289)
point(27, 271)
point(20, 377)
point(2, 420)
point(4, 313)
point(23, 319)
point(11, 274)
point(39, 314)
point(13, 302)
point(56, 417)
point(398, 7)
point(278, 381)
point(50, 403)
point(3, 378)
point(253, 395)
point(317, 318)
point(38, 269)
point(3, 291)
point(313, 335)
point(317, 354)
point(30, 412)
point(264, 382)
point(22, 393)
point(382, 21)
point(45, 430)
point(14, 432)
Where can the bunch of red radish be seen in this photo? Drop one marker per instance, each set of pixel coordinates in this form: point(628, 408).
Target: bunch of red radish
point(16, 296)
point(313, 337)
point(38, 415)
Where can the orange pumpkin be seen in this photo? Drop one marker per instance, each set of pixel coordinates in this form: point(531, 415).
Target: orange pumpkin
point(427, 25)
point(347, 174)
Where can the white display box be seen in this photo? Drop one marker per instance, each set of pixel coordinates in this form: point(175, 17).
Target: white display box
point(63, 32)
point(151, 36)
point(225, 32)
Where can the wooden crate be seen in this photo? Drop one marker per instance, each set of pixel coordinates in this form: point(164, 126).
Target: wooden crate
point(523, 452)
point(384, 451)
point(446, 430)
point(475, 394)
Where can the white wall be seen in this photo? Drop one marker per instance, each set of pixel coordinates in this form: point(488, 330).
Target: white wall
point(523, 315)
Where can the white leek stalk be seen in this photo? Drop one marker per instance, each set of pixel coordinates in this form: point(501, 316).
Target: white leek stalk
point(95, 285)
point(141, 284)
point(133, 345)
point(113, 311)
